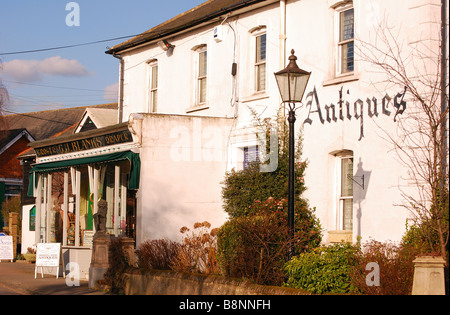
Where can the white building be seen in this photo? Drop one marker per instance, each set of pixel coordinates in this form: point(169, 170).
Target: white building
point(218, 60)
point(190, 88)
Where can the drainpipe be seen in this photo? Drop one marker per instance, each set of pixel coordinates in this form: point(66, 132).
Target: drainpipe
point(121, 80)
point(282, 34)
point(282, 42)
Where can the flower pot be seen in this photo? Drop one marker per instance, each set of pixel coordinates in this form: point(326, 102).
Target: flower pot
point(30, 258)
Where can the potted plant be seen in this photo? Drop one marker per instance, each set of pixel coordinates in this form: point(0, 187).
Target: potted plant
point(30, 256)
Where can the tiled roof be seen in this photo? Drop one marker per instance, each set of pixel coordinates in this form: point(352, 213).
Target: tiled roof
point(9, 135)
point(45, 124)
point(202, 13)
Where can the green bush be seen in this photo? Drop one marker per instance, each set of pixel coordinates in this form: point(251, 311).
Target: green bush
point(242, 188)
point(255, 246)
point(254, 243)
point(323, 270)
point(342, 268)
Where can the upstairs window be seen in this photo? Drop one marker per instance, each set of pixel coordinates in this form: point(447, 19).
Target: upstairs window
point(346, 39)
point(202, 75)
point(153, 87)
point(260, 62)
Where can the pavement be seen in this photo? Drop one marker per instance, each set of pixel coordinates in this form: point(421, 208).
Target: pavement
point(18, 278)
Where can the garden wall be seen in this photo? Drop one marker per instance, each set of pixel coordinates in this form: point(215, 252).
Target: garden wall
point(162, 282)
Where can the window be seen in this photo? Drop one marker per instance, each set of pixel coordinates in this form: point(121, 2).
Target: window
point(202, 61)
point(153, 86)
point(343, 190)
point(251, 154)
point(32, 219)
point(260, 62)
point(71, 221)
point(346, 40)
point(346, 193)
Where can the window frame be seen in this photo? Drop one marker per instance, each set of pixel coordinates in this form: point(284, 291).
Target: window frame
point(201, 79)
point(152, 88)
point(252, 152)
point(341, 198)
point(259, 62)
point(340, 43)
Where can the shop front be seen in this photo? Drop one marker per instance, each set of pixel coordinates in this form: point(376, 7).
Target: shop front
point(71, 175)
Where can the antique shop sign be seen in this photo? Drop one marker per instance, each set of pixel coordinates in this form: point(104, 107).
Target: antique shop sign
point(47, 254)
point(6, 248)
point(348, 110)
point(85, 144)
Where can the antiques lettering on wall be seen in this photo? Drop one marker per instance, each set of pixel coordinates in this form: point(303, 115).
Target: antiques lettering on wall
point(345, 109)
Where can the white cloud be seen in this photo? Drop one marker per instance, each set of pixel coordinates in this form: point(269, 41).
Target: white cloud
point(34, 70)
point(112, 92)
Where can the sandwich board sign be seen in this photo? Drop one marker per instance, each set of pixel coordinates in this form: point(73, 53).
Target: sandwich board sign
point(48, 255)
point(6, 248)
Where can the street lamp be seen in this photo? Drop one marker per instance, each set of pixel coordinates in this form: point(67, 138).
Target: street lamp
point(292, 83)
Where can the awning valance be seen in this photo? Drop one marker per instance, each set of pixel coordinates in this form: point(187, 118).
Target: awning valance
point(134, 159)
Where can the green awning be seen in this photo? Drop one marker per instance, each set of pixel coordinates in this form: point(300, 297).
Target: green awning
point(134, 159)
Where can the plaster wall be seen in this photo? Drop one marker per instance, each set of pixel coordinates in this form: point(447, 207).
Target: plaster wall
point(183, 165)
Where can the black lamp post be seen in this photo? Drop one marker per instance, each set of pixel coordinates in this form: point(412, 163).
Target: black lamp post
point(292, 83)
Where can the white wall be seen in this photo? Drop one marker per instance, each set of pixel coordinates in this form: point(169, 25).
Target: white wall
point(183, 165)
point(176, 70)
point(28, 237)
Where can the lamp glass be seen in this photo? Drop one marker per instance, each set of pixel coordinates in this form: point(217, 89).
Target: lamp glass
point(292, 86)
point(292, 81)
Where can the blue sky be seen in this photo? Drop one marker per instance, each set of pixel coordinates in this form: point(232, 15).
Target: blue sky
point(77, 76)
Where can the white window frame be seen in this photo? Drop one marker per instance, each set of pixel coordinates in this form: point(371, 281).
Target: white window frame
point(152, 86)
point(198, 100)
point(340, 43)
point(261, 31)
point(340, 199)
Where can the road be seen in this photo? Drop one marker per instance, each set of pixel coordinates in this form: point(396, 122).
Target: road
point(8, 291)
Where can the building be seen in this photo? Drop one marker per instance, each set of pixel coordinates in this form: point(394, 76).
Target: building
point(12, 143)
point(218, 60)
point(17, 131)
point(191, 91)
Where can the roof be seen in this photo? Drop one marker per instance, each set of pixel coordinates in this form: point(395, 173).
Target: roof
point(202, 13)
point(45, 124)
point(101, 117)
point(80, 135)
point(9, 137)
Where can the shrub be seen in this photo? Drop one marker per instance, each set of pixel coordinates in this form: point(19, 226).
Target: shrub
point(156, 254)
point(242, 188)
point(197, 252)
point(323, 270)
point(255, 246)
point(341, 268)
point(118, 265)
point(307, 227)
point(396, 268)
